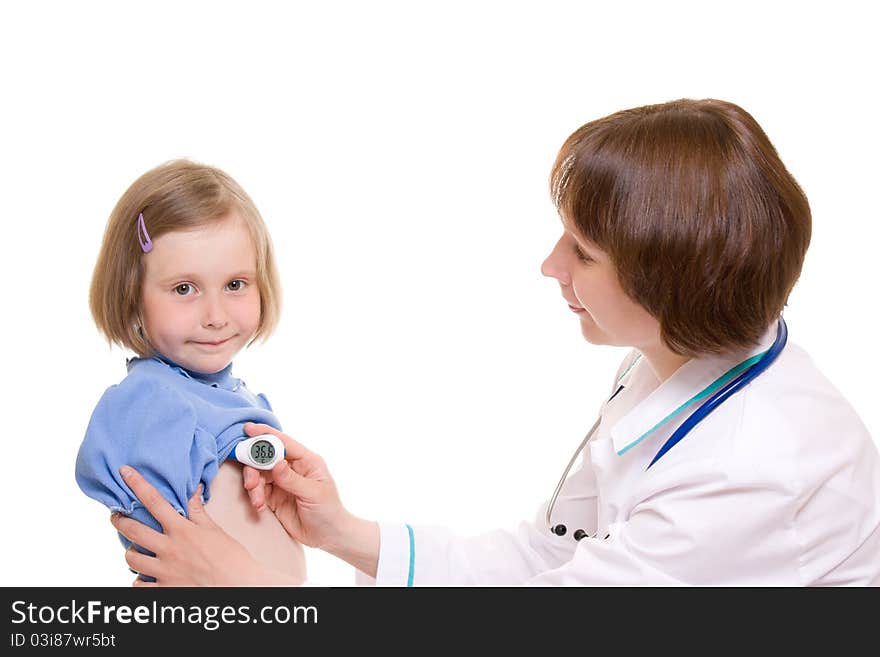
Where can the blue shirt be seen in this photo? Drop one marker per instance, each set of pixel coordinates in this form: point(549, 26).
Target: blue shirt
point(172, 425)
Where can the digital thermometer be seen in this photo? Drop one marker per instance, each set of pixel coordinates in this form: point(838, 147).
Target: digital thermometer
point(260, 452)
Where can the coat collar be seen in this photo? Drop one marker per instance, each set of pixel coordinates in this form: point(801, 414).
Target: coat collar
point(691, 378)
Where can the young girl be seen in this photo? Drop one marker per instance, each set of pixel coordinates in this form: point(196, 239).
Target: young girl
point(185, 278)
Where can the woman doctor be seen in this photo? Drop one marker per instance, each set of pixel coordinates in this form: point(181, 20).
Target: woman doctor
point(683, 235)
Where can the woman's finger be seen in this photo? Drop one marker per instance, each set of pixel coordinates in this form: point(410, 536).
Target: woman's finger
point(141, 563)
point(137, 532)
point(151, 499)
point(255, 487)
point(270, 498)
point(141, 583)
point(250, 477)
point(285, 478)
point(195, 510)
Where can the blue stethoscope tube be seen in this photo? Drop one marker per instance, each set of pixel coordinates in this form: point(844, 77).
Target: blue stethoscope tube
point(719, 397)
point(693, 419)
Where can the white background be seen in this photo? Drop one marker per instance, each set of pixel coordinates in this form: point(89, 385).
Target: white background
point(399, 153)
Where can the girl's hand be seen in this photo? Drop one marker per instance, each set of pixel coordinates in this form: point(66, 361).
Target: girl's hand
point(191, 552)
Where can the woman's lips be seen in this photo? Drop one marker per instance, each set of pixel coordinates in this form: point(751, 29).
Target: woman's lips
point(577, 309)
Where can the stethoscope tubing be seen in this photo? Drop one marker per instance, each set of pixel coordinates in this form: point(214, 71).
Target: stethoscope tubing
point(568, 468)
point(707, 407)
point(719, 397)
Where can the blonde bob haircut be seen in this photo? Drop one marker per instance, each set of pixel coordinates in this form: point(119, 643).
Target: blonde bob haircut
point(176, 196)
point(705, 226)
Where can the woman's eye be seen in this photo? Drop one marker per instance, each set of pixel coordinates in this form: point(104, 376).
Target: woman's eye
point(583, 257)
point(184, 289)
point(235, 286)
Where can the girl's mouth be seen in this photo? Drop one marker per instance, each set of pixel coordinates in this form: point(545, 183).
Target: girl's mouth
point(211, 344)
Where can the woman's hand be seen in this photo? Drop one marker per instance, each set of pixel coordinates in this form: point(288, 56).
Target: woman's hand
point(191, 552)
point(303, 496)
point(299, 490)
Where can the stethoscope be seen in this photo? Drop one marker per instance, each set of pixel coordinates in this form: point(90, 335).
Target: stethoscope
point(752, 368)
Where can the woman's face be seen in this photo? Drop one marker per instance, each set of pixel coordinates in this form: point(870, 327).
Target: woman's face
point(589, 283)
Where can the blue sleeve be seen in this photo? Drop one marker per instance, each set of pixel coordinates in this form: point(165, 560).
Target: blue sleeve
point(143, 424)
point(265, 404)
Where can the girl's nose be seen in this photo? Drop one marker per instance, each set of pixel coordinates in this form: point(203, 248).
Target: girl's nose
point(213, 314)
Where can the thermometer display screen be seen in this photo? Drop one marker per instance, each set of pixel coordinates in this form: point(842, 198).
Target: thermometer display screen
point(262, 451)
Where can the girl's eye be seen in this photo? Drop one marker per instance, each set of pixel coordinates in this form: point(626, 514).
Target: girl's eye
point(236, 285)
point(184, 289)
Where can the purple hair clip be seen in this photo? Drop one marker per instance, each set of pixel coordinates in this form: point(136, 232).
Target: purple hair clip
point(146, 244)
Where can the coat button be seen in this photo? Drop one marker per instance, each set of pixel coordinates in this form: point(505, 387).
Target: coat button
point(579, 534)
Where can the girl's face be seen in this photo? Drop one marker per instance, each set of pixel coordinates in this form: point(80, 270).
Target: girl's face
point(590, 285)
point(200, 300)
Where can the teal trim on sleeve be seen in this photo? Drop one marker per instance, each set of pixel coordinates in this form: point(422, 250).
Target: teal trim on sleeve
point(412, 557)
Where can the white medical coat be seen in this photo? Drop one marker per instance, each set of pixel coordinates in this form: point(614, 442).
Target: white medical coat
point(779, 486)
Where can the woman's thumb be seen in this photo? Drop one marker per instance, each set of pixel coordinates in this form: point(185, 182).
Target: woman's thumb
point(291, 481)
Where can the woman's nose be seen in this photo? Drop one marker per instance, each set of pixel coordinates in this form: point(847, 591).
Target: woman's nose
point(554, 266)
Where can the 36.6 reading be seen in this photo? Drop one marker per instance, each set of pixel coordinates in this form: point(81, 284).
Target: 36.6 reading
point(62, 639)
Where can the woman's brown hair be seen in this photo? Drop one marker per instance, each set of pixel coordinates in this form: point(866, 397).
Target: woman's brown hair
point(705, 226)
point(177, 195)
